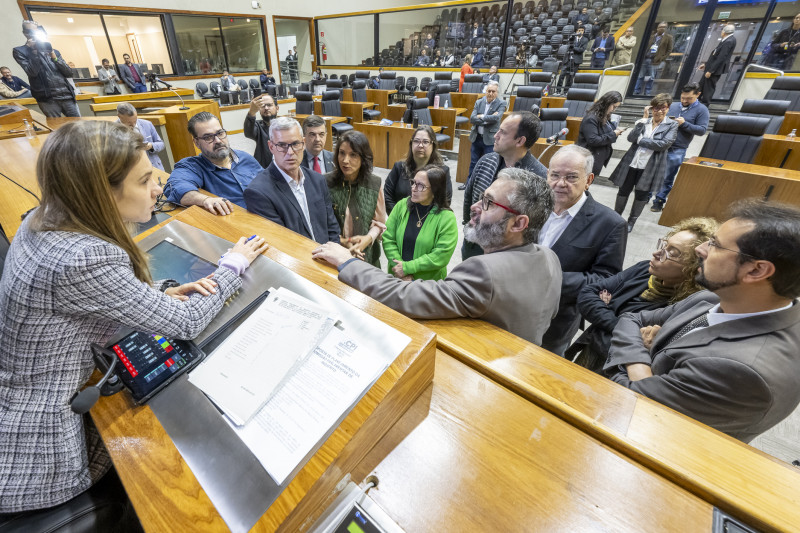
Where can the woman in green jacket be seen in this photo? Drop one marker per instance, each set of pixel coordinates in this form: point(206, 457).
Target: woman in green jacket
point(422, 232)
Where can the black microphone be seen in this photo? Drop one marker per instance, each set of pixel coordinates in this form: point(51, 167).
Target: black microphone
point(165, 83)
point(554, 138)
point(83, 401)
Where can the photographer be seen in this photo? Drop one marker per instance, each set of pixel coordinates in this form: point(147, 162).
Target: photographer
point(47, 73)
point(577, 45)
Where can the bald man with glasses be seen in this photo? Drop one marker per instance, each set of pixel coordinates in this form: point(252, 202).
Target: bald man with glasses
point(218, 169)
point(289, 194)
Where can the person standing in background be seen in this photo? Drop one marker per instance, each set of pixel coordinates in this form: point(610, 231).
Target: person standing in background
point(624, 48)
point(108, 76)
point(602, 48)
point(717, 64)
point(658, 50)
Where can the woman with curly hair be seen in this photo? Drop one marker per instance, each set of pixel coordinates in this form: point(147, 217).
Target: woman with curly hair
point(667, 278)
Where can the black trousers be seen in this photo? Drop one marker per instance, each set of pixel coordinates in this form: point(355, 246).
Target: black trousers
point(627, 186)
point(707, 88)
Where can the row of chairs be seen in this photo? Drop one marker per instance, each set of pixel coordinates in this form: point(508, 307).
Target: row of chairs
point(247, 91)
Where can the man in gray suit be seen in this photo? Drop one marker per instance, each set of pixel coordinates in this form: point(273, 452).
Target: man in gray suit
point(132, 75)
point(515, 285)
point(485, 120)
point(728, 357)
point(316, 157)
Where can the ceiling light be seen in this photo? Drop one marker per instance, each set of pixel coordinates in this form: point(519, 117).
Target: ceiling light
point(69, 19)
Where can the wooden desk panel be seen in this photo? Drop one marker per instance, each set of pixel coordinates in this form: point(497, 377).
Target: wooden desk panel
point(378, 139)
point(472, 456)
point(465, 100)
point(381, 98)
point(791, 121)
point(396, 112)
point(389, 143)
point(553, 101)
point(464, 158)
point(778, 151)
point(539, 147)
point(117, 98)
point(574, 127)
point(446, 118)
point(708, 191)
point(167, 496)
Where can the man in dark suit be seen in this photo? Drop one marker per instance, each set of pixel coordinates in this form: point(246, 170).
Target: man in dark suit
point(485, 119)
point(131, 75)
point(717, 64)
point(588, 238)
point(266, 79)
point(288, 194)
point(316, 157)
point(258, 130)
point(475, 33)
point(728, 357)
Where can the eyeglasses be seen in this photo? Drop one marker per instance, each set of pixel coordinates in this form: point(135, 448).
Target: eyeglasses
point(572, 179)
point(486, 202)
point(661, 108)
point(209, 137)
point(421, 142)
point(713, 243)
point(284, 147)
point(664, 254)
point(417, 186)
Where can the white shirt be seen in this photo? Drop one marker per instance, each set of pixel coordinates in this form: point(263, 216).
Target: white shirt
point(299, 192)
point(643, 155)
point(716, 316)
point(557, 224)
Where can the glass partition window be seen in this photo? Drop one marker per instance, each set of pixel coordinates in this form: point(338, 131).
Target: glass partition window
point(79, 38)
point(199, 44)
point(347, 40)
point(244, 40)
point(781, 40)
point(142, 38)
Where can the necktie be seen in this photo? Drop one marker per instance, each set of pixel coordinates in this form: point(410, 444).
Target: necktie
point(316, 165)
point(699, 322)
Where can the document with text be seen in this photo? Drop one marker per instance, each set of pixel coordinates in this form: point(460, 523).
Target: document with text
point(250, 366)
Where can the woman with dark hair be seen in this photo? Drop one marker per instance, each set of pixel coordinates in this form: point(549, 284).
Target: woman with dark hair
point(644, 165)
point(422, 150)
point(422, 232)
point(597, 133)
point(73, 276)
point(318, 75)
point(357, 197)
point(667, 278)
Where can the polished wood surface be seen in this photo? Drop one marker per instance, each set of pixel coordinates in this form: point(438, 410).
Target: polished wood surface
point(389, 143)
point(381, 98)
point(751, 485)
point(154, 95)
point(708, 191)
point(167, 496)
point(395, 112)
point(446, 118)
point(13, 124)
point(328, 128)
point(541, 145)
point(464, 158)
point(778, 151)
point(465, 100)
point(553, 101)
point(574, 127)
point(791, 121)
point(470, 455)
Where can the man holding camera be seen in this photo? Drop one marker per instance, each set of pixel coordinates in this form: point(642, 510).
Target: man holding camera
point(47, 73)
point(577, 46)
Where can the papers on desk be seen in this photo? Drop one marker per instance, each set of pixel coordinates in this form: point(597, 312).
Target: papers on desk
point(246, 370)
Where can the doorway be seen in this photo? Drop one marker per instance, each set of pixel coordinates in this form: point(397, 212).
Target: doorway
point(294, 40)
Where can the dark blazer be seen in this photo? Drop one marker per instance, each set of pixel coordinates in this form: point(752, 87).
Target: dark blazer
point(269, 195)
point(127, 77)
point(590, 249)
point(266, 80)
point(717, 63)
point(597, 138)
point(327, 158)
point(609, 45)
point(739, 377)
point(258, 130)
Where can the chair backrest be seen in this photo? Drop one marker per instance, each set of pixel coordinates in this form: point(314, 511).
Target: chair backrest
point(425, 83)
point(554, 119)
point(735, 138)
point(350, 79)
point(305, 103)
point(387, 80)
point(774, 110)
point(331, 106)
point(411, 83)
point(527, 97)
point(786, 88)
point(550, 64)
point(304, 87)
point(360, 91)
point(540, 78)
point(362, 75)
point(443, 76)
point(579, 100)
point(216, 88)
point(545, 50)
point(586, 80)
point(420, 107)
point(242, 83)
point(201, 89)
point(473, 83)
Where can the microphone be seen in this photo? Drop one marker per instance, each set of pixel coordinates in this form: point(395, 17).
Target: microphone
point(554, 138)
point(109, 384)
point(183, 107)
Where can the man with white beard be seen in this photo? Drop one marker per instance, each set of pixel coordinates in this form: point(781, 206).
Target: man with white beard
point(515, 285)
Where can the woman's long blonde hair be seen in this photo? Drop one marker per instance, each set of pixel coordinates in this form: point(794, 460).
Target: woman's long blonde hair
point(79, 166)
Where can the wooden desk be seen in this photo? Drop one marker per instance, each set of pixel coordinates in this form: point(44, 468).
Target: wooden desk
point(791, 121)
point(389, 143)
point(539, 147)
point(470, 455)
point(381, 99)
point(778, 151)
point(155, 95)
point(708, 191)
point(574, 127)
point(553, 101)
point(328, 128)
point(396, 112)
point(446, 118)
point(464, 158)
point(753, 486)
point(465, 100)
point(165, 493)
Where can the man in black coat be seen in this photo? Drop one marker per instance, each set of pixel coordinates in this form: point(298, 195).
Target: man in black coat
point(588, 238)
point(717, 64)
point(258, 130)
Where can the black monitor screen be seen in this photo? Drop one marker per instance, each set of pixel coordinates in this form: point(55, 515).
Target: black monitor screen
point(168, 261)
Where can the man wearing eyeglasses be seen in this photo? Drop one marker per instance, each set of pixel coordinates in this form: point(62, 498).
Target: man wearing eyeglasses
point(289, 194)
point(727, 357)
point(219, 170)
point(515, 285)
point(512, 142)
point(258, 130)
point(588, 238)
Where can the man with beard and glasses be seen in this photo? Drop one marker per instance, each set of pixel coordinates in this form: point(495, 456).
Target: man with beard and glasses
point(258, 130)
point(515, 285)
point(727, 356)
point(219, 170)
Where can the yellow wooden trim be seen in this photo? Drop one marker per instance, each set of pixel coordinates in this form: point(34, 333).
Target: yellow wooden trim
point(633, 18)
point(234, 132)
point(406, 8)
point(618, 73)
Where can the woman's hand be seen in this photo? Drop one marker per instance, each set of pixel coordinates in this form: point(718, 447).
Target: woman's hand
point(251, 248)
point(358, 242)
point(205, 286)
point(397, 269)
point(605, 296)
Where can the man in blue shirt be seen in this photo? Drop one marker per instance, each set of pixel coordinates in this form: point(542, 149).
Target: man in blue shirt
point(14, 83)
point(692, 118)
point(219, 169)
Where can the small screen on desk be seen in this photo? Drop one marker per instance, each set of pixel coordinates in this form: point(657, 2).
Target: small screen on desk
point(168, 261)
point(358, 521)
